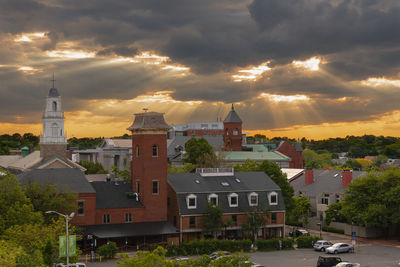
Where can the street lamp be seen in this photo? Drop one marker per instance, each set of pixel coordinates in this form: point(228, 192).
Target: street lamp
point(320, 229)
point(67, 219)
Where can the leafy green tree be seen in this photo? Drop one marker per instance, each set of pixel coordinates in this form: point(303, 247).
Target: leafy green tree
point(108, 251)
point(212, 221)
point(196, 148)
point(374, 200)
point(8, 253)
point(334, 213)
point(256, 219)
point(302, 207)
point(48, 253)
point(187, 167)
point(352, 164)
point(47, 197)
point(93, 167)
point(124, 174)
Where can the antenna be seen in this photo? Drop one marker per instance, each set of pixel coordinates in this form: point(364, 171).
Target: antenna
point(53, 80)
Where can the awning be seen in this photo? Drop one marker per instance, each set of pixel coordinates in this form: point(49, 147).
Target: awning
point(130, 229)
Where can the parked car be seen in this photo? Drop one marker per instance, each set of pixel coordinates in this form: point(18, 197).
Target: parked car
point(322, 245)
point(299, 232)
point(347, 264)
point(215, 255)
point(340, 248)
point(78, 264)
point(253, 264)
point(328, 261)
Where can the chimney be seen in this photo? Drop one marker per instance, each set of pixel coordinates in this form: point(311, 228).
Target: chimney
point(347, 176)
point(309, 176)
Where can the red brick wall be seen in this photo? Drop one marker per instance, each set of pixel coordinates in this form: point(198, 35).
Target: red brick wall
point(233, 142)
point(297, 156)
point(147, 168)
point(89, 209)
point(173, 209)
point(118, 215)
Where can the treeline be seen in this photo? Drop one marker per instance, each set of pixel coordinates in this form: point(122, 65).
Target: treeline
point(354, 146)
point(17, 141)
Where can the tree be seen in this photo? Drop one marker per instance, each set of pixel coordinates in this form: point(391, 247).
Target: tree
point(352, 164)
point(212, 221)
point(256, 219)
point(196, 148)
point(187, 167)
point(92, 167)
point(302, 207)
point(374, 200)
point(334, 213)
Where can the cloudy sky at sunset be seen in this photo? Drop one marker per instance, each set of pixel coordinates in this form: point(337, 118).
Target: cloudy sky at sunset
point(313, 68)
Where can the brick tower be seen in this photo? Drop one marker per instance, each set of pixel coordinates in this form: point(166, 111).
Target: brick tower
point(149, 163)
point(233, 131)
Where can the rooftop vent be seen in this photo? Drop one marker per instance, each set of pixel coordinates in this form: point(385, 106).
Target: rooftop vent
point(215, 171)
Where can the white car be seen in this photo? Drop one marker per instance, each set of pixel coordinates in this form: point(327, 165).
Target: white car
point(322, 245)
point(339, 248)
point(347, 264)
point(78, 264)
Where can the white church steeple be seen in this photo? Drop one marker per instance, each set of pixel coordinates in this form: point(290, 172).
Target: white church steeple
point(53, 120)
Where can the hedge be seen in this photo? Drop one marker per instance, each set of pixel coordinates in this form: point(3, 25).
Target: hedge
point(333, 230)
point(305, 241)
point(207, 246)
point(273, 244)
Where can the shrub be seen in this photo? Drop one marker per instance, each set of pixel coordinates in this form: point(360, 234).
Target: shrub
point(305, 241)
point(108, 251)
point(207, 246)
point(333, 230)
point(287, 243)
point(273, 244)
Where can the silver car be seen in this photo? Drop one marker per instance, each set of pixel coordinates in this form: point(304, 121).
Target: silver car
point(339, 248)
point(322, 245)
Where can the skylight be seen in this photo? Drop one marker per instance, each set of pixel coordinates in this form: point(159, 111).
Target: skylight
point(237, 180)
point(224, 183)
point(197, 181)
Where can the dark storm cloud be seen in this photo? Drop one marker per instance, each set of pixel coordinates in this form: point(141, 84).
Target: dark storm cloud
point(357, 38)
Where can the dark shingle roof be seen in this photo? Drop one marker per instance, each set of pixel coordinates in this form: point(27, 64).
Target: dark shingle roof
point(149, 120)
point(130, 229)
point(298, 146)
point(111, 195)
point(66, 178)
point(53, 92)
point(232, 116)
point(185, 184)
point(325, 181)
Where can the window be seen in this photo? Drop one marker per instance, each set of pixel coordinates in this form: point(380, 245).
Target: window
point(168, 201)
point(235, 131)
point(234, 219)
point(253, 199)
point(192, 222)
point(116, 161)
point(233, 200)
point(54, 129)
point(81, 207)
point(337, 198)
point(226, 131)
point(155, 151)
point(325, 199)
point(128, 217)
point(273, 198)
point(175, 221)
point(213, 199)
point(137, 151)
point(273, 217)
point(106, 218)
point(191, 201)
point(137, 186)
point(155, 187)
point(54, 106)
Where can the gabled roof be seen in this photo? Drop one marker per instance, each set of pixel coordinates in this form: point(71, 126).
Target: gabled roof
point(232, 116)
point(114, 195)
point(67, 163)
point(27, 162)
point(116, 143)
point(7, 160)
point(325, 181)
point(66, 178)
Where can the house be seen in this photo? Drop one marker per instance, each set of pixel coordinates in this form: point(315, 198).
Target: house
point(237, 193)
point(323, 187)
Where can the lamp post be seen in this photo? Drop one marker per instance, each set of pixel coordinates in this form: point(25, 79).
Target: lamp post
point(320, 229)
point(67, 219)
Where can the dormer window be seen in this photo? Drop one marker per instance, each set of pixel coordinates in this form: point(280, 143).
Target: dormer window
point(213, 199)
point(253, 199)
point(273, 198)
point(191, 201)
point(233, 200)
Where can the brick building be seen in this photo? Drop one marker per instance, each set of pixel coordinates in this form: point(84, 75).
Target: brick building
point(294, 152)
point(237, 193)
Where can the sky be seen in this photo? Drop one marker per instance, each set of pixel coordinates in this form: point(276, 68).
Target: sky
point(312, 68)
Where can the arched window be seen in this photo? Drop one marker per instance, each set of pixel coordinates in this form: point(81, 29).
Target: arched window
point(60, 132)
point(54, 106)
point(227, 131)
point(155, 151)
point(235, 131)
point(137, 151)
